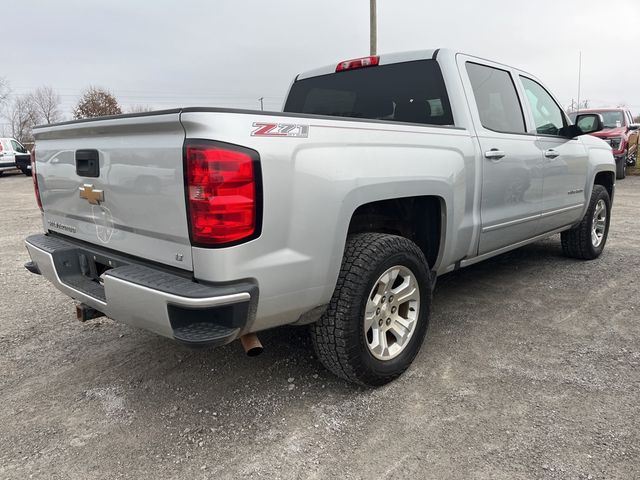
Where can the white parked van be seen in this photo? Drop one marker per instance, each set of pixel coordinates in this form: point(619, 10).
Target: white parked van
point(14, 156)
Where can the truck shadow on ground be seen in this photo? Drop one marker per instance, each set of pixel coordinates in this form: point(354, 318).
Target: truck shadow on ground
point(217, 390)
point(292, 344)
point(288, 366)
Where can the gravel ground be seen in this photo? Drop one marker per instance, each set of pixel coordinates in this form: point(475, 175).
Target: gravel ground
point(531, 369)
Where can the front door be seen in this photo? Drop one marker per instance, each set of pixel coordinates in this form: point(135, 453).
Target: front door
point(565, 161)
point(511, 198)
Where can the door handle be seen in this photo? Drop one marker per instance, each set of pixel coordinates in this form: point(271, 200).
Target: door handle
point(494, 154)
point(551, 153)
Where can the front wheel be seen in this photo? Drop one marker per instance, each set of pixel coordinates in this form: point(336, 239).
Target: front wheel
point(586, 240)
point(378, 315)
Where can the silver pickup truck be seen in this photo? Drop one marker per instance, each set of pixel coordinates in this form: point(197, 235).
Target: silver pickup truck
point(207, 225)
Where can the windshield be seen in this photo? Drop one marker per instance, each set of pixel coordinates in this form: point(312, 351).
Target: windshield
point(610, 118)
point(412, 92)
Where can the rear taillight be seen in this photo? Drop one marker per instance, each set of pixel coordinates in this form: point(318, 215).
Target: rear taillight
point(222, 192)
point(358, 63)
point(35, 178)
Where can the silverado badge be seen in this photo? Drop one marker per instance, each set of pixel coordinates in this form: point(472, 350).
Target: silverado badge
point(94, 197)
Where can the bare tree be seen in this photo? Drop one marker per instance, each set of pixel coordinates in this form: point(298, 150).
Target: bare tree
point(4, 91)
point(4, 96)
point(574, 106)
point(22, 116)
point(47, 104)
point(140, 109)
point(96, 102)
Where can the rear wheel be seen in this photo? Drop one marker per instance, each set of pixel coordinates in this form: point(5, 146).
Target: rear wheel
point(377, 318)
point(586, 240)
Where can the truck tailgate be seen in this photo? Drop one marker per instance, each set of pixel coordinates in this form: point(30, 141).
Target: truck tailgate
point(133, 200)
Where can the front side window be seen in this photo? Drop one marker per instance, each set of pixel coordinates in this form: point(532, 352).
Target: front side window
point(496, 98)
point(547, 115)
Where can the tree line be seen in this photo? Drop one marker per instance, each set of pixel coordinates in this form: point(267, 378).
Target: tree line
point(43, 106)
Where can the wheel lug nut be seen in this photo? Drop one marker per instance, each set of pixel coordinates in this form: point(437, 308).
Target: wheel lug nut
point(388, 322)
point(377, 311)
point(393, 309)
point(384, 299)
point(380, 322)
point(391, 298)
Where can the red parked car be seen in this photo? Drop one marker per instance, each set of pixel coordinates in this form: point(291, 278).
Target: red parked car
point(621, 133)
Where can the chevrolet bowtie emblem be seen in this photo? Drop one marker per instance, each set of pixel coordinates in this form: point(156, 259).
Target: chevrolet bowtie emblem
point(94, 197)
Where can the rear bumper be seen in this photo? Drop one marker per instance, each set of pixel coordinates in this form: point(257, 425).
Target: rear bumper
point(145, 296)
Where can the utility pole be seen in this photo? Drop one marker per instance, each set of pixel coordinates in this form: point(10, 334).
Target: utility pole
point(261, 104)
point(373, 29)
point(579, 78)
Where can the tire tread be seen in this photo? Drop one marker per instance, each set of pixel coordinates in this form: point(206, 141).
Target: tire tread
point(331, 334)
point(576, 243)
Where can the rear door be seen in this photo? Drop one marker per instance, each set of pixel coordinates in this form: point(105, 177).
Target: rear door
point(117, 183)
point(565, 160)
point(511, 198)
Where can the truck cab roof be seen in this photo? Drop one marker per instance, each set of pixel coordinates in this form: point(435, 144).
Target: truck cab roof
point(398, 57)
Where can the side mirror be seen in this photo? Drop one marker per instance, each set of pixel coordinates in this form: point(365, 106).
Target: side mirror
point(634, 126)
point(589, 122)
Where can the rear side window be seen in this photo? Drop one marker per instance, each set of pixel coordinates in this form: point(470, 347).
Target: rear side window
point(412, 92)
point(496, 98)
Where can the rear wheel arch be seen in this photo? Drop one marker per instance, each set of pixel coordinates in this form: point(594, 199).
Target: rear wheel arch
point(421, 219)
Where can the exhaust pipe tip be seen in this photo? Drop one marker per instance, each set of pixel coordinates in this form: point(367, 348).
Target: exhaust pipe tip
point(85, 312)
point(251, 344)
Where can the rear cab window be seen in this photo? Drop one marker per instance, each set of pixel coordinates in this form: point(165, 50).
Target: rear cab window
point(409, 92)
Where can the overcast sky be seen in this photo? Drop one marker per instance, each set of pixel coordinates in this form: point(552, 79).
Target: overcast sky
point(229, 53)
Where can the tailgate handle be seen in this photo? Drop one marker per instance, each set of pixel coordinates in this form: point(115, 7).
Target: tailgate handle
point(87, 163)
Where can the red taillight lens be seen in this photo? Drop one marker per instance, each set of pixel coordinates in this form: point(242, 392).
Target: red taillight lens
point(34, 177)
point(358, 63)
point(222, 193)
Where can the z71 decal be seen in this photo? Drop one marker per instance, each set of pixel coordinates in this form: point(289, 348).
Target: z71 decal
point(279, 130)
